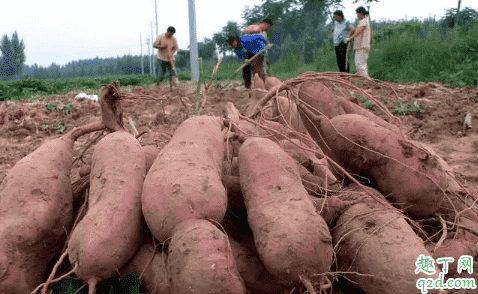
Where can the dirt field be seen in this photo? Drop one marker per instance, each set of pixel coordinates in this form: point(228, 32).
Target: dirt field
point(26, 125)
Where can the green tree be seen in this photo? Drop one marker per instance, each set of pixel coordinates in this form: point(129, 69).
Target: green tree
point(206, 49)
point(13, 56)
point(232, 28)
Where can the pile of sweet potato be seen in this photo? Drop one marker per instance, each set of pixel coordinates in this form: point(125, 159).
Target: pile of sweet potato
point(274, 204)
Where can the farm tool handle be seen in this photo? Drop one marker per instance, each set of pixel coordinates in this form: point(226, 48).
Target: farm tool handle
point(347, 54)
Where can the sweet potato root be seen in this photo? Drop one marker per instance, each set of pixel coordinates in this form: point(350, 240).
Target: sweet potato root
point(150, 154)
point(149, 264)
point(191, 187)
point(286, 112)
point(36, 207)
point(200, 260)
point(292, 240)
point(271, 82)
point(317, 96)
point(110, 233)
point(411, 177)
point(379, 249)
point(251, 268)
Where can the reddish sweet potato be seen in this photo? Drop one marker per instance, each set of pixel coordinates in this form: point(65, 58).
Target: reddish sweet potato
point(84, 171)
point(150, 154)
point(372, 239)
point(185, 179)
point(410, 176)
point(251, 268)
point(271, 82)
point(291, 238)
point(36, 207)
point(286, 113)
point(149, 264)
point(317, 96)
point(110, 233)
point(258, 82)
point(200, 260)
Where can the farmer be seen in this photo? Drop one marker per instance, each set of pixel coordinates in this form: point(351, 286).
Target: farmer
point(342, 29)
point(362, 41)
point(167, 45)
point(246, 46)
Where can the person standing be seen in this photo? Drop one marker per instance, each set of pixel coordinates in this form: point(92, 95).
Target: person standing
point(167, 45)
point(342, 29)
point(362, 41)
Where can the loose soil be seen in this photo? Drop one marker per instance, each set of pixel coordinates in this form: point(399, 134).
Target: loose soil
point(25, 125)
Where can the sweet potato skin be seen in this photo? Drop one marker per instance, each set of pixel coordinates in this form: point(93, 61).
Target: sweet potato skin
point(271, 82)
point(251, 268)
point(149, 264)
point(409, 176)
point(35, 209)
point(317, 96)
point(374, 240)
point(200, 260)
point(185, 179)
point(113, 219)
point(291, 238)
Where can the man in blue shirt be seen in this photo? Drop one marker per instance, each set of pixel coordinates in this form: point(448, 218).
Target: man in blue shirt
point(248, 45)
point(342, 29)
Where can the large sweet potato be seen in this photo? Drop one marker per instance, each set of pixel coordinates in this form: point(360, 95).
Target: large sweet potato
point(411, 177)
point(379, 249)
point(36, 207)
point(292, 240)
point(200, 260)
point(110, 232)
point(185, 179)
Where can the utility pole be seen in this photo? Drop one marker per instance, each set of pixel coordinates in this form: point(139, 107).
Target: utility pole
point(193, 42)
point(150, 67)
point(151, 45)
point(142, 64)
point(457, 13)
point(156, 13)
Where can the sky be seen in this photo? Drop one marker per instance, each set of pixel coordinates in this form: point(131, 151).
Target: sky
point(61, 31)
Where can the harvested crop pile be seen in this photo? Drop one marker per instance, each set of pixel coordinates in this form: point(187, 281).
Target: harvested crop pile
point(244, 203)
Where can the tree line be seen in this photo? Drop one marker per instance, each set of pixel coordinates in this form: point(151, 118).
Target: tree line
point(300, 27)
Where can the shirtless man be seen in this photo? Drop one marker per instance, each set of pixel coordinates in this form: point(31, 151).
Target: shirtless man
point(167, 45)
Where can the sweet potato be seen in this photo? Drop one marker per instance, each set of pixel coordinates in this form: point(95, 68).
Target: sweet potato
point(234, 193)
point(286, 112)
point(292, 240)
point(411, 177)
point(317, 96)
point(110, 233)
point(200, 260)
point(185, 179)
point(377, 243)
point(259, 82)
point(84, 171)
point(271, 82)
point(149, 264)
point(150, 154)
point(36, 207)
point(251, 268)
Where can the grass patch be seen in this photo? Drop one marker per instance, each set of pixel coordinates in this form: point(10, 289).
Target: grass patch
point(408, 109)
